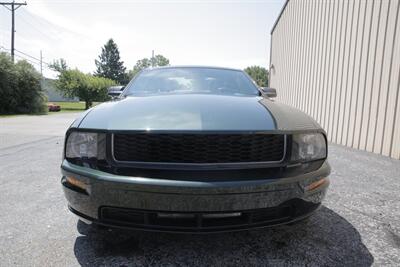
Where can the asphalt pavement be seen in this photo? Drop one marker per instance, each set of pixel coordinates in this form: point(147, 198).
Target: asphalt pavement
point(358, 225)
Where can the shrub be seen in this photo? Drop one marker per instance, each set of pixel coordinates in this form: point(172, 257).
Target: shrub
point(20, 90)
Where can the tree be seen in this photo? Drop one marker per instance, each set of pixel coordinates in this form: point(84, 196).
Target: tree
point(59, 65)
point(110, 65)
point(157, 61)
point(89, 88)
point(259, 74)
point(20, 90)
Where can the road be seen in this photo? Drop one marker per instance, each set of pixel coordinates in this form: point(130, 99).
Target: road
point(358, 225)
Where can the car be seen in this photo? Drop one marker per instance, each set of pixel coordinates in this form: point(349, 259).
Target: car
point(53, 107)
point(115, 91)
point(193, 149)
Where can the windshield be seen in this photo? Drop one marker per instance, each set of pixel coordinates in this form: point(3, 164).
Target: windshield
point(191, 80)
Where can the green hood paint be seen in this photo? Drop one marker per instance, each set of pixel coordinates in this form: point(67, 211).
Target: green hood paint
point(195, 112)
point(181, 112)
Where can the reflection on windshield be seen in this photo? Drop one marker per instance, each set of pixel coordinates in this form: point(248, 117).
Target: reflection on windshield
point(191, 80)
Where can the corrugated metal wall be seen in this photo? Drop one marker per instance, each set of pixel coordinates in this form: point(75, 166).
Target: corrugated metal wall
point(339, 61)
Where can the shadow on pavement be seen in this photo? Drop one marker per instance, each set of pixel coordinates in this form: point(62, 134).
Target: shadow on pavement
point(326, 239)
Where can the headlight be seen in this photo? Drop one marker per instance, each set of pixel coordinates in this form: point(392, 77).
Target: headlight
point(308, 147)
point(84, 145)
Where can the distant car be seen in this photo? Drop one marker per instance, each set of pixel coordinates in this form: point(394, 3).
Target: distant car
point(194, 149)
point(115, 91)
point(53, 107)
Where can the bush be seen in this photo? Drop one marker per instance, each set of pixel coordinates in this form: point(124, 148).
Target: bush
point(20, 90)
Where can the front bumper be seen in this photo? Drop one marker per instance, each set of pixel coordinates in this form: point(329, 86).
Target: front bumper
point(191, 206)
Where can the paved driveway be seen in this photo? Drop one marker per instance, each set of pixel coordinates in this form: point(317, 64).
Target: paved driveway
point(359, 225)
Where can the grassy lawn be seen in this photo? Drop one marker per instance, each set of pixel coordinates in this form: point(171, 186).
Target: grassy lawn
point(7, 116)
point(65, 107)
point(16, 115)
point(72, 106)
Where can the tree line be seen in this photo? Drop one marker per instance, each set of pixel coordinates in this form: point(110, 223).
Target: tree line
point(21, 92)
point(110, 70)
point(109, 64)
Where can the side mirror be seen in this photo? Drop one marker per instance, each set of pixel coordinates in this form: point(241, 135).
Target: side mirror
point(268, 91)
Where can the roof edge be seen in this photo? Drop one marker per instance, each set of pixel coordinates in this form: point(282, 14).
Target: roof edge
point(192, 66)
point(279, 16)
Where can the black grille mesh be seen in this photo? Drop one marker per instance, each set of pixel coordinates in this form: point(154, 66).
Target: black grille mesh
point(198, 148)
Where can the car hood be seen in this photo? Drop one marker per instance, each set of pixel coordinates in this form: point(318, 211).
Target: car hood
point(192, 113)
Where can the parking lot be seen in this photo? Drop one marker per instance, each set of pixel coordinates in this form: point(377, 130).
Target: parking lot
point(359, 224)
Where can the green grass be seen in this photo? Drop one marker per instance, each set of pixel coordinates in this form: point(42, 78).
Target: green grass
point(65, 107)
point(72, 106)
point(16, 115)
point(6, 116)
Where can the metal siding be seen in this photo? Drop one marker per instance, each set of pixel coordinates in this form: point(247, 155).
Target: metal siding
point(336, 71)
point(304, 35)
point(391, 145)
point(329, 65)
point(363, 74)
point(311, 57)
point(353, 88)
point(322, 49)
point(387, 63)
point(284, 51)
point(371, 75)
point(315, 70)
point(350, 73)
point(376, 83)
point(290, 47)
point(344, 70)
point(339, 61)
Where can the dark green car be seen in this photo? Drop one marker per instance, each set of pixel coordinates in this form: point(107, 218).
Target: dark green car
point(194, 149)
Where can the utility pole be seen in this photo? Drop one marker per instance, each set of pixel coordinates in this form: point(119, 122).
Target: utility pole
point(41, 64)
point(152, 58)
point(14, 6)
point(41, 70)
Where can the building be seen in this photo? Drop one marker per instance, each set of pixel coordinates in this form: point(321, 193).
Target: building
point(339, 61)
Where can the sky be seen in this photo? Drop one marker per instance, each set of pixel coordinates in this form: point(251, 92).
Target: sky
point(216, 33)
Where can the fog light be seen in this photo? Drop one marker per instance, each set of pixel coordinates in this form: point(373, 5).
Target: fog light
point(317, 184)
point(75, 182)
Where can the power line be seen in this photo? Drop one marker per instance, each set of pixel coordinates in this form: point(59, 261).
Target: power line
point(33, 26)
point(7, 7)
point(14, 7)
point(29, 58)
point(25, 54)
point(51, 28)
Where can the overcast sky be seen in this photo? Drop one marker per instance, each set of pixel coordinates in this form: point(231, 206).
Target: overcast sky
point(219, 33)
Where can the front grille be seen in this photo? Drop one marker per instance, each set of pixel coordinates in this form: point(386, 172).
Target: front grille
point(199, 148)
point(195, 222)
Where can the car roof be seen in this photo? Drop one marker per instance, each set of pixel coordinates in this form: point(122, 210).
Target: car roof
point(192, 66)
